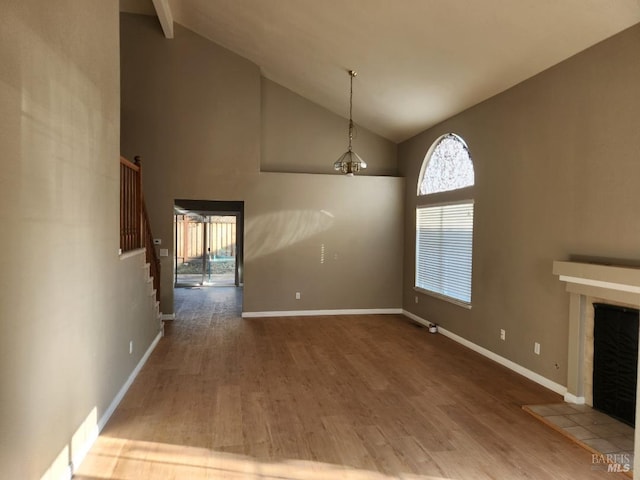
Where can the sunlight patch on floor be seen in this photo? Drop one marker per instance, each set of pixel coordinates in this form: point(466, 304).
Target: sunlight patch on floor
point(118, 459)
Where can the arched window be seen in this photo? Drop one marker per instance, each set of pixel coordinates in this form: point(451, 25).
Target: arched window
point(446, 167)
point(444, 231)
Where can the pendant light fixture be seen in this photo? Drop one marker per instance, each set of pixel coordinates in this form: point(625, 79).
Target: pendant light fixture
point(350, 162)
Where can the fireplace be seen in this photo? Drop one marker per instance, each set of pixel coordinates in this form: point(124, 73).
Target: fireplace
point(589, 283)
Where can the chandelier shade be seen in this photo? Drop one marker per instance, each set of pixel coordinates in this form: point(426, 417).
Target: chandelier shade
point(350, 162)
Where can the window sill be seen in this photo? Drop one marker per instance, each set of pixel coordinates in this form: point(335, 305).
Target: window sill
point(443, 297)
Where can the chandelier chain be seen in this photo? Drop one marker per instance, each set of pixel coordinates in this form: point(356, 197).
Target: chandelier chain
point(351, 75)
point(350, 162)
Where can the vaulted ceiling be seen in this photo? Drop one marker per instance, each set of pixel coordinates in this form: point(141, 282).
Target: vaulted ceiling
point(418, 61)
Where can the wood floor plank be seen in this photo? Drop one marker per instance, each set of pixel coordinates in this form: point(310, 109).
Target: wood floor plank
point(227, 417)
point(368, 372)
point(338, 397)
point(351, 449)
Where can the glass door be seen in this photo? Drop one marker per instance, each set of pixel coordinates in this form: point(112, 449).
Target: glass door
point(205, 249)
point(220, 241)
point(189, 259)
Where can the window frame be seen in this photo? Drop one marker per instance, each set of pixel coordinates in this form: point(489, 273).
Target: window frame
point(439, 199)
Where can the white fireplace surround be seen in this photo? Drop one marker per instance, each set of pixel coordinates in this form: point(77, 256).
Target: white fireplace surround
point(586, 282)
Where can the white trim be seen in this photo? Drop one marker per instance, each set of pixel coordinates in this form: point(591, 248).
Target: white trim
point(601, 284)
point(571, 398)
point(132, 253)
point(163, 11)
point(318, 313)
point(168, 316)
point(67, 474)
point(525, 372)
point(440, 296)
point(416, 318)
point(78, 458)
point(118, 398)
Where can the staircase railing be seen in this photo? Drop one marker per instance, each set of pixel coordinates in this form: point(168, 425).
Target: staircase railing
point(135, 230)
point(151, 255)
point(130, 205)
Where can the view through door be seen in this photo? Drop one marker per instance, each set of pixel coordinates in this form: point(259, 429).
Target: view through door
point(205, 249)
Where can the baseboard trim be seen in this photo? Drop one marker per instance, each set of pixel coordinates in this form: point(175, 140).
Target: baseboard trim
point(525, 372)
point(571, 398)
point(78, 458)
point(320, 313)
point(118, 398)
point(168, 316)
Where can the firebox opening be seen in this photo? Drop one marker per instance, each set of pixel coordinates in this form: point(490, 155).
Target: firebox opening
point(615, 361)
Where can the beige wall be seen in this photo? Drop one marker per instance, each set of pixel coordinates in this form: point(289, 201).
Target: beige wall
point(200, 119)
point(68, 305)
point(337, 240)
point(191, 110)
point(312, 145)
point(557, 169)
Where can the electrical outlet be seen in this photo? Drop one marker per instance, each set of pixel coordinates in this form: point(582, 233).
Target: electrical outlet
point(536, 348)
point(130, 347)
point(416, 299)
point(297, 295)
point(503, 334)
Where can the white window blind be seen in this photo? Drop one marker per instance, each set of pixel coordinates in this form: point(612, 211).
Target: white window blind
point(444, 241)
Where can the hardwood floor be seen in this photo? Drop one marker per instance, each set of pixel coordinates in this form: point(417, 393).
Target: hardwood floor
point(355, 397)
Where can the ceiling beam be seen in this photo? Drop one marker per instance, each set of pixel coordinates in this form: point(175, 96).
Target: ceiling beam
point(164, 15)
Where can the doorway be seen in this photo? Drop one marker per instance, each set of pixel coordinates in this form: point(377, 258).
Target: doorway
point(205, 249)
point(208, 243)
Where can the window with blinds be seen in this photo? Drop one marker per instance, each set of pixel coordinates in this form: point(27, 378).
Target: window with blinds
point(444, 231)
point(444, 243)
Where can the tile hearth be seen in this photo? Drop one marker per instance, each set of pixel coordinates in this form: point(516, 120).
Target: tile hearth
point(595, 431)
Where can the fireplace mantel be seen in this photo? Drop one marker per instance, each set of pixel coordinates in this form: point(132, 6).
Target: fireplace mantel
point(611, 282)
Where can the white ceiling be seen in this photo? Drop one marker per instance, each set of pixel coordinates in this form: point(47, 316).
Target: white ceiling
point(418, 61)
